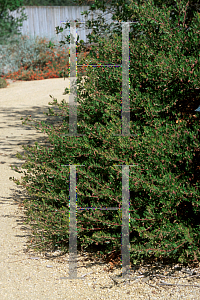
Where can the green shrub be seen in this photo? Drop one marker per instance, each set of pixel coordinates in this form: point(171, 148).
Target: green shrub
point(164, 187)
point(32, 59)
point(3, 83)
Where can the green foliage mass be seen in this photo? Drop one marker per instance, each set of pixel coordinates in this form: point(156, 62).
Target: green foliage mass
point(3, 83)
point(30, 53)
point(9, 26)
point(164, 185)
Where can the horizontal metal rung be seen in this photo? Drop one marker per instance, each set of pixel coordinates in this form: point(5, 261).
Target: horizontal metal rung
point(99, 65)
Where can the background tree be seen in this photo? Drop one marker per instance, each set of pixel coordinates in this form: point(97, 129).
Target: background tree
point(8, 24)
point(121, 12)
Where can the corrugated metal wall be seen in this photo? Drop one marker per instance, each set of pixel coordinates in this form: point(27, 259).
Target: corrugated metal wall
point(42, 21)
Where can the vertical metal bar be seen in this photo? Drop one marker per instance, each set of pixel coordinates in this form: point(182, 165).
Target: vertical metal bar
point(125, 81)
point(72, 225)
point(125, 244)
point(125, 221)
point(73, 84)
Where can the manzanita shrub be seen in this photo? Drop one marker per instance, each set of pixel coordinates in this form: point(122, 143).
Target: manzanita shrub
point(164, 185)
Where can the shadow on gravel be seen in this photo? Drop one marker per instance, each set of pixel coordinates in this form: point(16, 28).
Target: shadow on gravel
point(11, 118)
point(28, 135)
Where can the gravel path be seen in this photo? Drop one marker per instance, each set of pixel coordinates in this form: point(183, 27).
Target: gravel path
point(31, 276)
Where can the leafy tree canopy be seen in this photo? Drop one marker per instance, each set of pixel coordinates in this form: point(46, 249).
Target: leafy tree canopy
point(8, 24)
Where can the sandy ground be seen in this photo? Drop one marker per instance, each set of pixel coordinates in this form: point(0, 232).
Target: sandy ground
point(30, 276)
